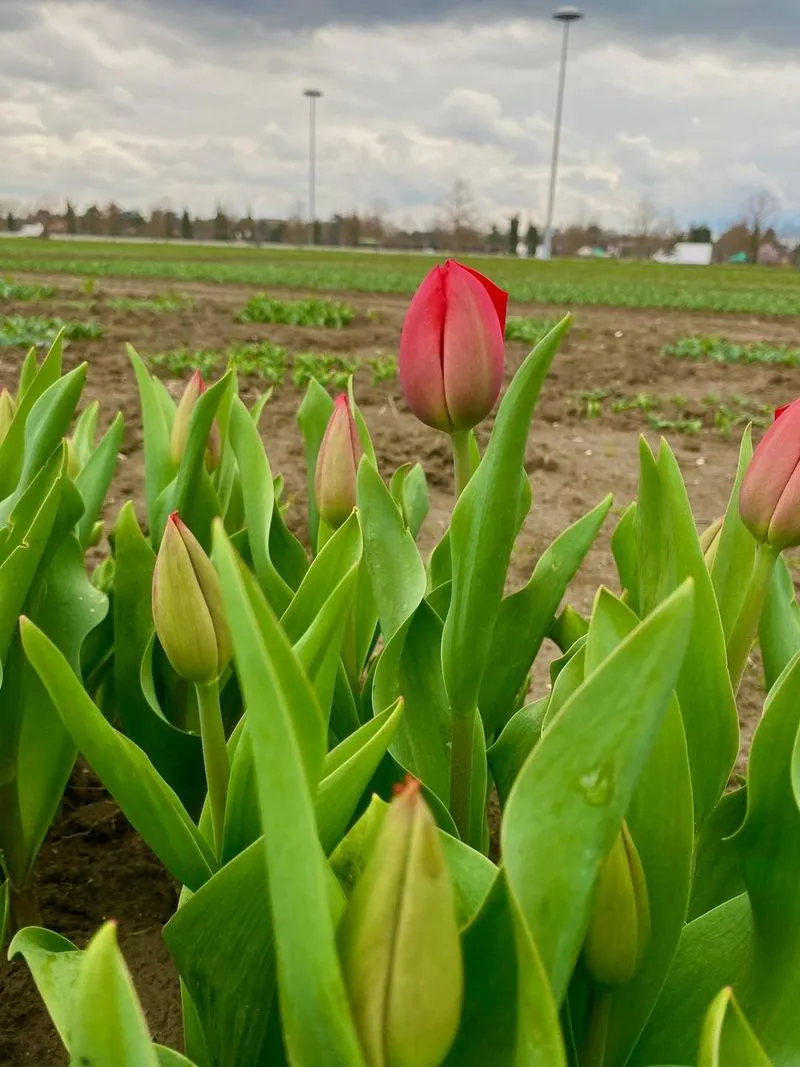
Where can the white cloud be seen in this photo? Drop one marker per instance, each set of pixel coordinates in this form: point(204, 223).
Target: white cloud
point(105, 104)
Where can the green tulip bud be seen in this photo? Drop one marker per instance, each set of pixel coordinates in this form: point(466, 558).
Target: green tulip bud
point(180, 427)
point(73, 460)
point(337, 466)
point(8, 410)
point(709, 540)
point(187, 607)
point(619, 931)
point(399, 943)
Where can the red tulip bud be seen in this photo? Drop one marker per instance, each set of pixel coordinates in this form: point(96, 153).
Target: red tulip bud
point(769, 502)
point(337, 466)
point(187, 607)
point(180, 427)
point(452, 348)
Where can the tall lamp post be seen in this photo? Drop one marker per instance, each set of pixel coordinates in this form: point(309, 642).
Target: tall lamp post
point(565, 15)
point(313, 95)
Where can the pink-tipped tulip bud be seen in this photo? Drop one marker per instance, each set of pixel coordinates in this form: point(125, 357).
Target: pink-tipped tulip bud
point(452, 348)
point(399, 943)
point(187, 607)
point(180, 427)
point(7, 411)
point(337, 466)
point(769, 502)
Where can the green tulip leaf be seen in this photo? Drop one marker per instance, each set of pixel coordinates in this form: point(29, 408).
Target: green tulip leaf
point(717, 876)
point(779, 629)
point(568, 802)
point(95, 478)
point(33, 385)
point(288, 738)
point(735, 552)
point(508, 754)
point(669, 552)
point(55, 964)
point(395, 567)
point(147, 801)
point(4, 898)
point(524, 618)
point(483, 529)
point(727, 1039)
point(29, 370)
point(259, 503)
point(84, 435)
point(312, 418)
point(159, 468)
point(176, 755)
point(623, 548)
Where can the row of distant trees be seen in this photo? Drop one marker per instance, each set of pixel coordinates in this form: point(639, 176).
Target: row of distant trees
point(456, 226)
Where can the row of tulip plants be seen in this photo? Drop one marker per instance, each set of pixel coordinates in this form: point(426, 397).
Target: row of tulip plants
point(308, 735)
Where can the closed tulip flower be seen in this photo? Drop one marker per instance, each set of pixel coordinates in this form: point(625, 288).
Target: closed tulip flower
point(769, 502)
point(452, 348)
point(187, 607)
point(337, 466)
point(399, 943)
point(180, 427)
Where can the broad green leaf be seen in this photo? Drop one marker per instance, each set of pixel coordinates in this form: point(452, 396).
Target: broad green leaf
point(717, 876)
point(108, 1028)
point(312, 418)
point(286, 552)
point(669, 552)
point(623, 548)
point(3, 911)
point(410, 666)
point(714, 951)
point(440, 564)
point(85, 432)
point(27, 373)
point(727, 1039)
point(483, 529)
point(361, 426)
point(223, 945)
point(176, 755)
point(779, 629)
point(409, 489)
point(147, 801)
point(168, 1057)
point(487, 1033)
point(287, 734)
point(339, 555)
point(540, 1042)
point(54, 964)
point(570, 677)
point(67, 608)
point(95, 478)
point(44, 430)
point(569, 800)
point(735, 552)
point(664, 840)
point(569, 627)
point(393, 561)
point(520, 736)
point(259, 502)
point(525, 617)
point(159, 468)
point(347, 772)
point(32, 388)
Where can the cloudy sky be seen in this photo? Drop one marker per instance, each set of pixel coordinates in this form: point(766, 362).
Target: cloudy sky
point(690, 103)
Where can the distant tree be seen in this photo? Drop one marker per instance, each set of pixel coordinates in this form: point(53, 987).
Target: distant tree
point(317, 232)
point(644, 218)
point(114, 220)
point(170, 224)
point(221, 225)
point(496, 240)
point(92, 222)
point(70, 219)
point(513, 235)
point(699, 234)
point(459, 214)
point(532, 240)
point(11, 222)
point(187, 230)
point(761, 210)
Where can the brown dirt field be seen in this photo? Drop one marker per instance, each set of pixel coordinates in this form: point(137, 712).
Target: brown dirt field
point(93, 866)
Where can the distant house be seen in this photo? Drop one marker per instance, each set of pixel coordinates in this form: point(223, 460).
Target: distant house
point(772, 254)
point(688, 253)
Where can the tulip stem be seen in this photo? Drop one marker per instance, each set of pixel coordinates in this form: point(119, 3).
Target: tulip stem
point(594, 1048)
point(463, 741)
point(215, 757)
point(746, 625)
point(462, 459)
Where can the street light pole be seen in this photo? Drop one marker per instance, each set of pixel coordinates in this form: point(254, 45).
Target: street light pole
point(567, 15)
point(313, 95)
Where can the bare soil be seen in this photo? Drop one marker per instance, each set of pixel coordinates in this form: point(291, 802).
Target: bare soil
point(93, 865)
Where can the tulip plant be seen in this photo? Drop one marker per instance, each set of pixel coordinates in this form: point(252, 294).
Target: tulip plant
point(309, 740)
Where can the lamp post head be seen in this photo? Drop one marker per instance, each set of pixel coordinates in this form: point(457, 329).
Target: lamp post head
point(568, 14)
point(314, 94)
